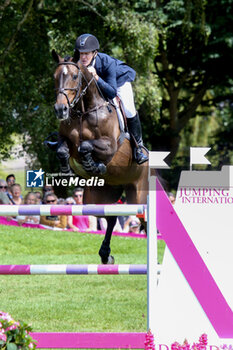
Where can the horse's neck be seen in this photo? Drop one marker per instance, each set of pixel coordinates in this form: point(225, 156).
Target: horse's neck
point(93, 99)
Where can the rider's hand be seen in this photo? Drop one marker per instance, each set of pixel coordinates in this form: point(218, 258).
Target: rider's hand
point(93, 72)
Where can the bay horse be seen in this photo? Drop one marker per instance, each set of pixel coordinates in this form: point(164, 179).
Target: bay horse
point(90, 126)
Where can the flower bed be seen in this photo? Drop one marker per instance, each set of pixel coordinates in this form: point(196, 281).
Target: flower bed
point(14, 334)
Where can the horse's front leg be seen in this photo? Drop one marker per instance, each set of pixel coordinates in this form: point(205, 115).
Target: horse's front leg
point(63, 155)
point(61, 148)
point(68, 139)
point(105, 249)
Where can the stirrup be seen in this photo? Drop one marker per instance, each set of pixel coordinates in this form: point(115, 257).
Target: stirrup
point(139, 156)
point(50, 142)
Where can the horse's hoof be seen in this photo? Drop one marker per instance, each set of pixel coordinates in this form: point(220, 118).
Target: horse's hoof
point(102, 169)
point(108, 261)
point(111, 260)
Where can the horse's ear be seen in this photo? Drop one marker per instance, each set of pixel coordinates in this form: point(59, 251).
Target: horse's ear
point(76, 56)
point(56, 57)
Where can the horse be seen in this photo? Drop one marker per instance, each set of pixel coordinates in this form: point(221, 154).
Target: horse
point(97, 145)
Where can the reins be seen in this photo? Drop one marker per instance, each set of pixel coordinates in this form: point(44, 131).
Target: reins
point(78, 97)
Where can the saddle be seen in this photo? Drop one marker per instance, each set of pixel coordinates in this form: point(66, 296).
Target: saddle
point(122, 120)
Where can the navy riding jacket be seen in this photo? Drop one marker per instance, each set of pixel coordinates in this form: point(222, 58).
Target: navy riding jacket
point(112, 73)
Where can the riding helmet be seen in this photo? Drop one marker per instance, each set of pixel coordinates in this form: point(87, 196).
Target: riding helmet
point(87, 43)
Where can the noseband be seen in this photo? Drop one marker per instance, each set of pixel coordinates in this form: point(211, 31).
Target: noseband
point(77, 97)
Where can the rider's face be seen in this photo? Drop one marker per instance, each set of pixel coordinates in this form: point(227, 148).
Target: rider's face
point(86, 58)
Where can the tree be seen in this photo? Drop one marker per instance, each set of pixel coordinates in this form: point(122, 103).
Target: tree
point(29, 31)
point(24, 76)
point(193, 51)
point(181, 50)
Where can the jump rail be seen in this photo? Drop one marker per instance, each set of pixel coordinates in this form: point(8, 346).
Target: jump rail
point(87, 209)
point(73, 269)
point(79, 340)
point(99, 340)
point(89, 340)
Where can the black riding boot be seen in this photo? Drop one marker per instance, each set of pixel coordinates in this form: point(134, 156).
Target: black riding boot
point(135, 130)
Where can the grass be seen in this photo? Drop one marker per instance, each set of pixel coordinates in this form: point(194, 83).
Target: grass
point(73, 303)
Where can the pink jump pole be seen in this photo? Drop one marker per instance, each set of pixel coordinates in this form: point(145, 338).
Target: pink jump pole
point(90, 340)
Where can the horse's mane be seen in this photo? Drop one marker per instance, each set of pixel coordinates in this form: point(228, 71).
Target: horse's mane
point(93, 86)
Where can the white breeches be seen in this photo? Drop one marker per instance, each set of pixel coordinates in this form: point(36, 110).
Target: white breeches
point(125, 93)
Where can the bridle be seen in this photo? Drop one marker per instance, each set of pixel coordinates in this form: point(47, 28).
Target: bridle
point(62, 90)
point(78, 97)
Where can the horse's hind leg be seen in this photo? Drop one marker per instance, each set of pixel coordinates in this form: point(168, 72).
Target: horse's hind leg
point(85, 151)
point(105, 195)
point(105, 249)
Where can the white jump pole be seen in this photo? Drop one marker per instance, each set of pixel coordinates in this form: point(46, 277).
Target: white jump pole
point(151, 251)
point(156, 161)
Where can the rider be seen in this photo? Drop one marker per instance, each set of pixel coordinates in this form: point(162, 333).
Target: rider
point(114, 79)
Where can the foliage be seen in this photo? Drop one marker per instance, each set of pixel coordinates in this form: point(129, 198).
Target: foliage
point(192, 49)
point(24, 88)
point(201, 345)
point(181, 49)
point(222, 142)
point(14, 334)
point(149, 343)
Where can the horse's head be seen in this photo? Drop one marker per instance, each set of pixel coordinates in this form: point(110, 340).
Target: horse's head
point(66, 85)
point(72, 82)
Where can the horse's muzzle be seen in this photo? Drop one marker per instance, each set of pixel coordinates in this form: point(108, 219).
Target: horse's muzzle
point(61, 111)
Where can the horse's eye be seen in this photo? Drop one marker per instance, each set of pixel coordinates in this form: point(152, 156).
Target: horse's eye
point(75, 76)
